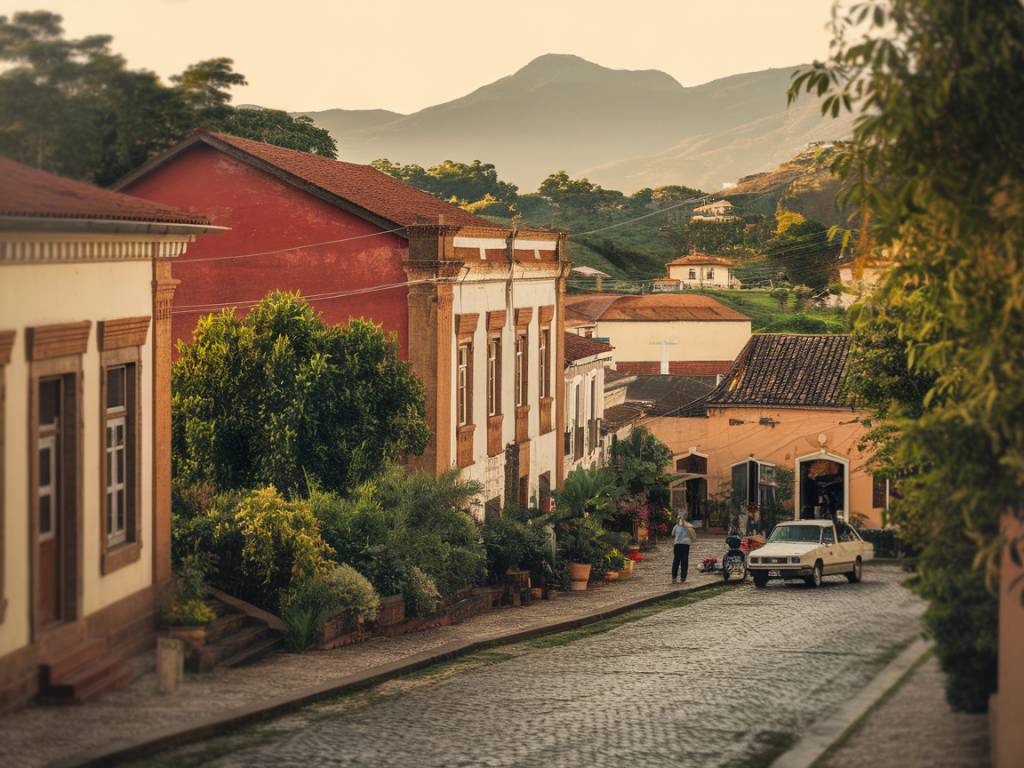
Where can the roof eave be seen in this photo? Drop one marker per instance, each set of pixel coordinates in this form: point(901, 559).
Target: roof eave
point(105, 226)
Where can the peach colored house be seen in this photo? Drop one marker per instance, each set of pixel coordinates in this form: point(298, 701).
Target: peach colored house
point(780, 406)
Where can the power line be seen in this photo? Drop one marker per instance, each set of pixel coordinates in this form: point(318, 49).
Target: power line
point(289, 248)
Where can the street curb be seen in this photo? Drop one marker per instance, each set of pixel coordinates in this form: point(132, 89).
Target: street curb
point(179, 735)
point(820, 737)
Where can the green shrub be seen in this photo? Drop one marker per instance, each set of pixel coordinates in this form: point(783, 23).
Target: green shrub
point(341, 592)
point(798, 323)
point(513, 544)
point(421, 595)
point(188, 613)
point(258, 543)
point(185, 606)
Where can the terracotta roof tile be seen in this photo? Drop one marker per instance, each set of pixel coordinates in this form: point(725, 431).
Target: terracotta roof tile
point(579, 347)
point(362, 185)
point(700, 260)
point(652, 307)
point(786, 371)
point(32, 193)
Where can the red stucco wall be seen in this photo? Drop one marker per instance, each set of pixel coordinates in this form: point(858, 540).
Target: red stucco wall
point(267, 214)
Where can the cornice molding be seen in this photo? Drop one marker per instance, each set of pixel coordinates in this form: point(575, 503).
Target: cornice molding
point(546, 314)
point(45, 251)
point(496, 320)
point(44, 342)
point(523, 317)
point(123, 332)
point(465, 325)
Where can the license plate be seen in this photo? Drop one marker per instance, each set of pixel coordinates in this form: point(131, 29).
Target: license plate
point(774, 573)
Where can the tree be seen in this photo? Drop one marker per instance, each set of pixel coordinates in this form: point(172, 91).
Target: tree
point(638, 464)
point(936, 174)
point(466, 184)
point(281, 398)
point(781, 295)
point(73, 107)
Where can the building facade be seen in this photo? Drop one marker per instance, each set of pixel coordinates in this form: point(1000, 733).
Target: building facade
point(586, 361)
point(681, 334)
point(699, 270)
point(781, 407)
point(452, 287)
point(85, 346)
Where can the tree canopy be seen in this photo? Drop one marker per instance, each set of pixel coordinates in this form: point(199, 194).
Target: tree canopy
point(73, 106)
point(281, 398)
point(936, 172)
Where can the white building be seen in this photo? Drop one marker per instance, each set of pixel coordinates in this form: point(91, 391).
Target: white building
point(85, 466)
point(719, 210)
point(685, 334)
point(699, 270)
point(586, 361)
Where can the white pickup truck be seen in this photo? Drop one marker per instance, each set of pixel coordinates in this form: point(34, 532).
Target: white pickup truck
point(809, 550)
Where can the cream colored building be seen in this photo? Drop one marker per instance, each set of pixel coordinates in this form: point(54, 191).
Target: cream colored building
point(699, 270)
point(85, 300)
point(859, 280)
point(586, 361)
point(485, 336)
point(719, 210)
point(682, 334)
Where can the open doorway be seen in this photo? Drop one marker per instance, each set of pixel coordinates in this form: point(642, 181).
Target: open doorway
point(824, 487)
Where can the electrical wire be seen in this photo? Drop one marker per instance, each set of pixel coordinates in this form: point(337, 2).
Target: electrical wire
point(288, 248)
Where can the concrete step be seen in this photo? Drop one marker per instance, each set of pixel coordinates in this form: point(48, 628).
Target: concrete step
point(87, 682)
point(226, 624)
point(213, 654)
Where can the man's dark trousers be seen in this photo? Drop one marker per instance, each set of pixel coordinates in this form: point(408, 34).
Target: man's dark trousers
point(680, 561)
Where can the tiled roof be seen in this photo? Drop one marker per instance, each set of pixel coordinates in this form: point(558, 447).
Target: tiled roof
point(786, 371)
point(700, 260)
point(671, 306)
point(32, 193)
point(617, 416)
point(659, 395)
point(679, 367)
point(367, 188)
point(579, 347)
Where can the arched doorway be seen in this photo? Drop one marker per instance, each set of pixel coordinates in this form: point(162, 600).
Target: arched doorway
point(823, 486)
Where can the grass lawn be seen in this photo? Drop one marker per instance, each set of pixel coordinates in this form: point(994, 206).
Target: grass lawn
point(765, 313)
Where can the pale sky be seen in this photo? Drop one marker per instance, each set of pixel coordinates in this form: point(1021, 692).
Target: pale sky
point(404, 55)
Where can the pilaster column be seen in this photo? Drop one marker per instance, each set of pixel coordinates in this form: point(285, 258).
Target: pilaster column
point(565, 266)
point(163, 298)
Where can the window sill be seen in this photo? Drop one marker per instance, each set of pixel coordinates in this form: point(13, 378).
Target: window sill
point(119, 556)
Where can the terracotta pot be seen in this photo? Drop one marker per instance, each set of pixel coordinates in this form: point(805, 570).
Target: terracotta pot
point(536, 593)
point(579, 572)
point(551, 594)
point(612, 575)
point(194, 636)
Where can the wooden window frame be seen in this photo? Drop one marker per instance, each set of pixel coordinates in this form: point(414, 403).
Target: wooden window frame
point(522, 369)
point(6, 343)
point(693, 274)
point(120, 343)
point(55, 351)
point(494, 375)
point(464, 383)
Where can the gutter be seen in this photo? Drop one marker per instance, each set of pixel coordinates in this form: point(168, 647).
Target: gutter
point(104, 226)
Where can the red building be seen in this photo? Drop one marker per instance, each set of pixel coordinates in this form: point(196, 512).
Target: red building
point(462, 294)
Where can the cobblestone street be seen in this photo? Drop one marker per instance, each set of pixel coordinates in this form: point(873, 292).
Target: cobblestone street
point(705, 684)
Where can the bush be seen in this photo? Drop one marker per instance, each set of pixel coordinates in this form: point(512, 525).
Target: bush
point(516, 545)
point(887, 542)
point(186, 605)
point(799, 323)
point(341, 592)
point(421, 595)
point(258, 543)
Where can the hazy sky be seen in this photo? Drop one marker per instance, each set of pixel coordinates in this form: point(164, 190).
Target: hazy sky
point(407, 54)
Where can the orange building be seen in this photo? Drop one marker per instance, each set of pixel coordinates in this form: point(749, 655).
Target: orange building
point(780, 406)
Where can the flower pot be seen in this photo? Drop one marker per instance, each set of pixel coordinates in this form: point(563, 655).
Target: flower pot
point(627, 568)
point(612, 576)
point(579, 572)
point(536, 593)
point(193, 636)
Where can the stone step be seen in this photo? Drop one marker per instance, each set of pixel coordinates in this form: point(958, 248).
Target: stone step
point(253, 652)
point(87, 682)
point(225, 624)
point(213, 654)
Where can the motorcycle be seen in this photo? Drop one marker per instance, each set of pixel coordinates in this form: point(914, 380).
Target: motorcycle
point(734, 563)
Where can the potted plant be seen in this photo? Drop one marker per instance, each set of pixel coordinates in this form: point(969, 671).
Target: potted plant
point(185, 612)
point(584, 503)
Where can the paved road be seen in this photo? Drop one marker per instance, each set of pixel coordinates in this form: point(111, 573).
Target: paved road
point(659, 691)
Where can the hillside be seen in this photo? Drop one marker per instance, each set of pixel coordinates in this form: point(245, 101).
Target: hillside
point(624, 129)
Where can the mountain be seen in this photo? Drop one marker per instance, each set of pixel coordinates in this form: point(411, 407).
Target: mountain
point(624, 129)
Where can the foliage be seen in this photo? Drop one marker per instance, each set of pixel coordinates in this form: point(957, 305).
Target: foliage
point(615, 560)
point(805, 323)
point(465, 184)
point(186, 606)
point(781, 295)
point(258, 543)
point(73, 106)
point(341, 592)
point(517, 545)
point(421, 595)
point(936, 173)
point(585, 493)
point(188, 613)
point(398, 521)
point(804, 253)
point(764, 311)
point(280, 397)
point(638, 465)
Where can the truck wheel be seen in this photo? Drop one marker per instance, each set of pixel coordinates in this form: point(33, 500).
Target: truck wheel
point(814, 580)
point(760, 580)
point(857, 573)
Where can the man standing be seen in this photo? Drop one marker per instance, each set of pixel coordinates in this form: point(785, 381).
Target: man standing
point(682, 535)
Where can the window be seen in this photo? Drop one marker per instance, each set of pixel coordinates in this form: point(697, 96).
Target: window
point(693, 274)
point(465, 385)
point(879, 492)
point(711, 273)
point(49, 462)
point(119, 437)
point(494, 376)
point(522, 371)
point(542, 363)
point(827, 537)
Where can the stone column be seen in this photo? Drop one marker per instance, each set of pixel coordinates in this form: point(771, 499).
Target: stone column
point(163, 295)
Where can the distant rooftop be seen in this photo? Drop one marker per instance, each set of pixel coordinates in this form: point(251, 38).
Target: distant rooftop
point(701, 260)
point(580, 347)
point(652, 307)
